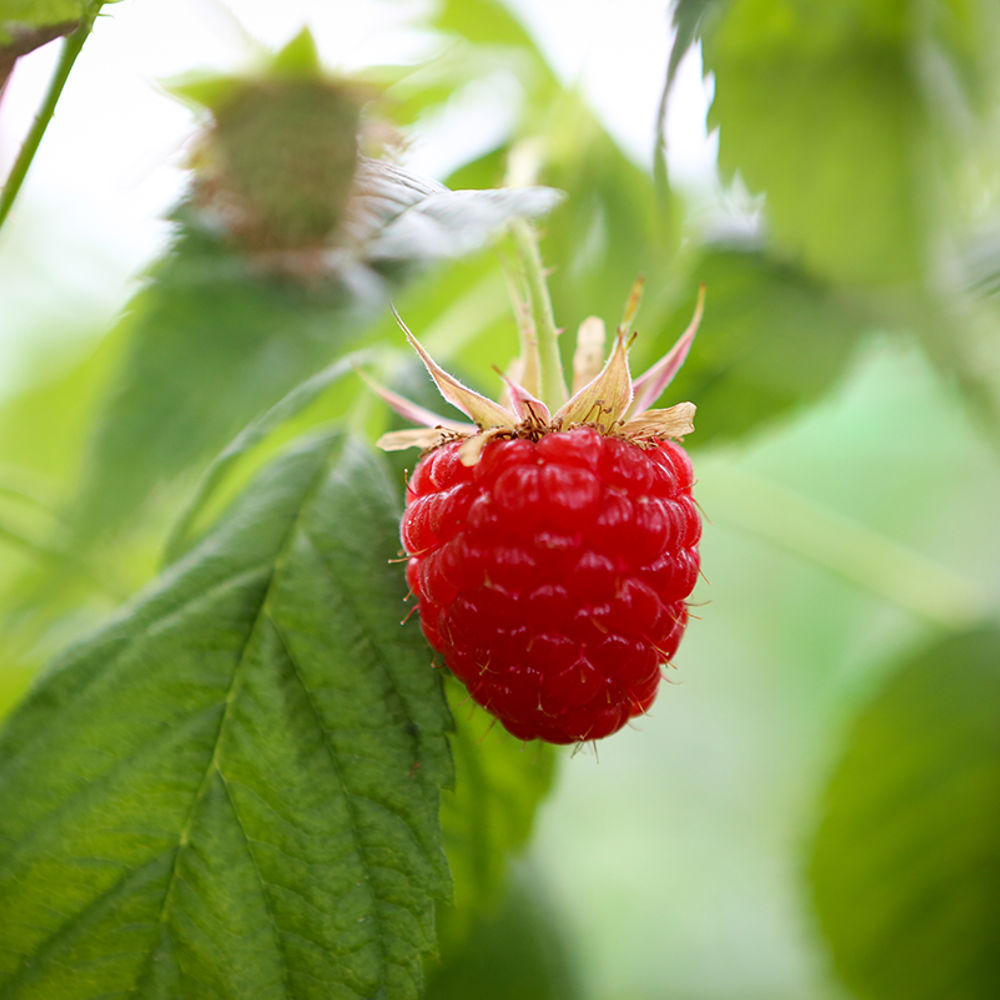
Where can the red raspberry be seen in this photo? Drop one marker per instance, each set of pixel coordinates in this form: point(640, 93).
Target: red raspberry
point(552, 574)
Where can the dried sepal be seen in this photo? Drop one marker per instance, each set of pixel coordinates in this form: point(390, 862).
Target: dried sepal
point(649, 386)
point(604, 400)
point(673, 422)
point(526, 406)
point(415, 437)
point(472, 448)
point(411, 411)
point(483, 411)
point(605, 397)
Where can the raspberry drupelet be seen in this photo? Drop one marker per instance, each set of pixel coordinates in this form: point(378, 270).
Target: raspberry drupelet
point(552, 553)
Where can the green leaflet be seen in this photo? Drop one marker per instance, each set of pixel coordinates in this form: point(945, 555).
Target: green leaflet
point(210, 344)
point(847, 116)
point(772, 338)
point(20, 16)
point(288, 407)
point(906, 864)
point(232, 790)
point(517, 949)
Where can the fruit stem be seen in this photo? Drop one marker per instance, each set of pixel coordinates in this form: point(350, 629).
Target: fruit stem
point(552, 384)
point(70, 50)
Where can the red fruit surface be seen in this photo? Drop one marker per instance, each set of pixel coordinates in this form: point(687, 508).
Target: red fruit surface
point(552, 575)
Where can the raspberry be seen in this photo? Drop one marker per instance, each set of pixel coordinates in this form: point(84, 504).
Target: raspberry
point(552, 574)
point(552, 552)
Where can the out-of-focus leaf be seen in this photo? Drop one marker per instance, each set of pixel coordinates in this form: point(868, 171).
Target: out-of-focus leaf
point(906, 864)
point(499, 784)
point(490, 23)
point(687, 17)
point(43, 426)
point(772, 338)
point(48, 595)
point(299, 399)
point(843, 114)
point(517, 950)
point(19, 18)
point(232, 790)
point(610, 228)
point(210, 344)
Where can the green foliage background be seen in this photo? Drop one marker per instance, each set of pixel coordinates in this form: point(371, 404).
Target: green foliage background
point(235, 774)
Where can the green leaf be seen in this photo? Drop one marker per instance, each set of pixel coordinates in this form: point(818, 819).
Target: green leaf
point(517, 950)
point(845, 115)
point(210, 345)
point(232, 790)
point(771, 339)
point(687, 17)
point(19, 17)
point(611, 229)
point(52, 593)
point(499, 783)
point(906, 864)
point(288, 407)
point(489, 23)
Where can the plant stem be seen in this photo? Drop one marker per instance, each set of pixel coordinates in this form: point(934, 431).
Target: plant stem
point(70, 50)
point(553, 385)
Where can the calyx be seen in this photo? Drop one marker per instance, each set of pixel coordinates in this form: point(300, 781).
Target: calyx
point(605, 396)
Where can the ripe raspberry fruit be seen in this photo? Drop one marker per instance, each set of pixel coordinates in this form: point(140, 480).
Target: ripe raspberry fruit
point(552, 575)
point(552, 553)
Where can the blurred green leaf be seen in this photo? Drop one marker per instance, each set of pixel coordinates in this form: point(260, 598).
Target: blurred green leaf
point(844, 116)
point(210, 344)
point(18, 17)
point(906, 864)
point(687, 16)
point(835, 152)
point(771, 339)
point(517, 950)
point(288, 407)
point(613, 225)
point(43, 425)
point(486, 23)
point(233, 788)
point(612, 228)
point(46, 596)
point(499, 783)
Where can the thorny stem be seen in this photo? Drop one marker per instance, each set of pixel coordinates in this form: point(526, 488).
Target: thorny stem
point(553, 385)
point(70, 50)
